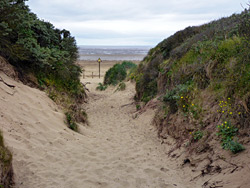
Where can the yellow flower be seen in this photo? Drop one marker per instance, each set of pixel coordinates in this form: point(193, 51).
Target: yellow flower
point(192, 104)
point(239, 113)
point(183, 106)
point(222, 111)
point(181, 97)
point(231, 112)
point(190, 132)
point(229, 98)
point(228, 127)
point(225, 122)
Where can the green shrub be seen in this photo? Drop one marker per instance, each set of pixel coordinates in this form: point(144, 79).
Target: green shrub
point(117, 73)
point(71, 122)
point(36, 47)
point(150, 90)
point(101, 87)
point(227, 132)
point(132, 73)
point(178, 97)
point(232, 145)
point(128, 65)
point(177, 92)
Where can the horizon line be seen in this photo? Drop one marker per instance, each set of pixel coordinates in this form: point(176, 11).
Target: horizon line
point(116, 45)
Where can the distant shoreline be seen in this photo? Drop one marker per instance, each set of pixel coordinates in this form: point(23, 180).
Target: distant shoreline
point(116, 46)
point(111, 57)
point(113, 53)
point(91, 68)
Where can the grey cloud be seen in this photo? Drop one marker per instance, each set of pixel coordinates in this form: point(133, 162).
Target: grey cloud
point(167, 16)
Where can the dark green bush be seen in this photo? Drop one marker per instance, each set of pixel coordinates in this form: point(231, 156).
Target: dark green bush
point(36, 46)
point(118, 73)
point(115, 74)
point(128, 65)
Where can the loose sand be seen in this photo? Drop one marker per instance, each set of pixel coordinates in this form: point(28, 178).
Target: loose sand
point(114, 150)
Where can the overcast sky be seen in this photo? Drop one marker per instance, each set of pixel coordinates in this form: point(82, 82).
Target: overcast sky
point(130, 22)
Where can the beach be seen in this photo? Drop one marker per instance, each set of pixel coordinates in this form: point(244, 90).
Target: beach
point(90, 68)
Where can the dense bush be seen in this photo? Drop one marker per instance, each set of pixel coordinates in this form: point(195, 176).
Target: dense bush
point(115, 74)
point(36, 46)
point(118, 73)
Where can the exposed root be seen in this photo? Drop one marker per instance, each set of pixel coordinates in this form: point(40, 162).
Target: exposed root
point(9, 85)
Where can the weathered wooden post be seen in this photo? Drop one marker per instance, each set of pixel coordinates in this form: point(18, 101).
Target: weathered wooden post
point(99, 61)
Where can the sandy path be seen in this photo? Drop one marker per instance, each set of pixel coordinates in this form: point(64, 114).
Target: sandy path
point(127, 150)
point(114, 151)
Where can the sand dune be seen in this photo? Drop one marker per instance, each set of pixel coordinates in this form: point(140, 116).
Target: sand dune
point(115, 150)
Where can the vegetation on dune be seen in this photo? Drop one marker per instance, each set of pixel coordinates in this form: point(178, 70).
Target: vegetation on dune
point(36, 47)
point(193, 71)
point(101, 87)
point(6, 170)
point(121, 86)
point(116, 74)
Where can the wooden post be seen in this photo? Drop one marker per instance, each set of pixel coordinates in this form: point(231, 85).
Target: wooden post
point(99, 69)
point(99, 61)
point(92, 75)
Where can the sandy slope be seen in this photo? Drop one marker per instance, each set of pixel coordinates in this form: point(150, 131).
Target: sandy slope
point(114, 151)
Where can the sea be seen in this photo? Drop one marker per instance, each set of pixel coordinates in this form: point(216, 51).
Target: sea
point(113, 53)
